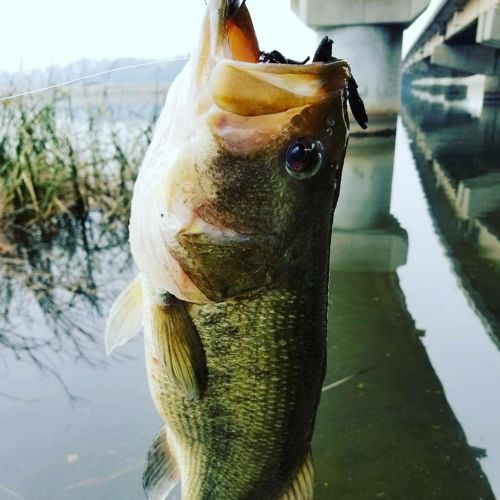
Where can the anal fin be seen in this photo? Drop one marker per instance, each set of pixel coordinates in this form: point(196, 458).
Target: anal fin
point(160, 474)
point(179, 347)
point(302, 486)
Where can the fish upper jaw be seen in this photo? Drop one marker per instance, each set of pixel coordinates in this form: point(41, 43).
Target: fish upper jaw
point(227, 62)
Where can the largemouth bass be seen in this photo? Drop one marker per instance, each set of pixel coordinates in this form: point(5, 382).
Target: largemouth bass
point(230, 230)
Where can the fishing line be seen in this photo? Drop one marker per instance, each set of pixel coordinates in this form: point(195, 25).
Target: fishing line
point(342, 381)
point(11, 492)
point(88, 77)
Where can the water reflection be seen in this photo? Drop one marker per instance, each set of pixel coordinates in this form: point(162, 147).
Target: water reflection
point(55, 280)
point(457, 158)
point(57, 283)
point(385, 434)
point(460, 340)
point(367, 237)
point(396, 431)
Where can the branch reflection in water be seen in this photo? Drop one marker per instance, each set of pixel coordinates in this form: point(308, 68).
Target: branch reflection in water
point(67, 167)
point(57, 275)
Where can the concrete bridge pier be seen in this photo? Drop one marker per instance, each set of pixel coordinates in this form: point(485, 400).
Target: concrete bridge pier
point(366, 237)
point(369, 34)
point(492, 90)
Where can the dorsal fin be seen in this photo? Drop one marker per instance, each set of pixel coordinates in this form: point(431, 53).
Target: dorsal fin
point(125, 318)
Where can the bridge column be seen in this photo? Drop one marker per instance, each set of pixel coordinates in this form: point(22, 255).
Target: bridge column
point(366, 237)
point(488, 28)
point(492, 90)
point(367, 33)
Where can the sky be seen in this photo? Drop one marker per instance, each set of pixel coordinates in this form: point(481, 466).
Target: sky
point(45, 32)
point(40, 33)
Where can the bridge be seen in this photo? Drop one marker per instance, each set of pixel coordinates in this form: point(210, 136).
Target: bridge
point(460, 38)
point(369, 34)
point(455, 57)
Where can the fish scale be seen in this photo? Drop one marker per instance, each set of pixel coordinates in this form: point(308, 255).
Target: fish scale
point(230, 230)
point(258, 402)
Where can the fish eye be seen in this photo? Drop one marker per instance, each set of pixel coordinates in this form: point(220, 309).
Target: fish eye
point(304, 158)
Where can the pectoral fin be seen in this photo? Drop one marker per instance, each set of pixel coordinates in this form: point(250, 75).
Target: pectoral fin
point(179, 348)
point(125, 318)
point(302, 486)
point(160, 473)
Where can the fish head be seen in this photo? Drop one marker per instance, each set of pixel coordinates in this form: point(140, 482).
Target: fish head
point(243, 171)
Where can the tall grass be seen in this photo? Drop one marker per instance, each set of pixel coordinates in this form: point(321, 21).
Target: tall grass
point(67, 168)
point(56, 157)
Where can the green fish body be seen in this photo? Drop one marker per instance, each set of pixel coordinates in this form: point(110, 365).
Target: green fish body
point(230, 230)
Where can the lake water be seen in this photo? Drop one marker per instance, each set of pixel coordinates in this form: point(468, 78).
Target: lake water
point(414, 301)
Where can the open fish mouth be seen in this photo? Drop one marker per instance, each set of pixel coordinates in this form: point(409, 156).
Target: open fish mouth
point(251, 82)
point(249, 95)
point(214, 203)
point(246, 81)
point(237, 31)
point(236, 38)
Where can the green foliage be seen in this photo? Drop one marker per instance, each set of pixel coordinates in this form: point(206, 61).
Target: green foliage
point(57, 157)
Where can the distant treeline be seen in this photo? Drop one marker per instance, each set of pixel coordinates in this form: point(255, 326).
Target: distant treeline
point(161, 73)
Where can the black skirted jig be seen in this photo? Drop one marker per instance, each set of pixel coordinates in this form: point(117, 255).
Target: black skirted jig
point(324, 54)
